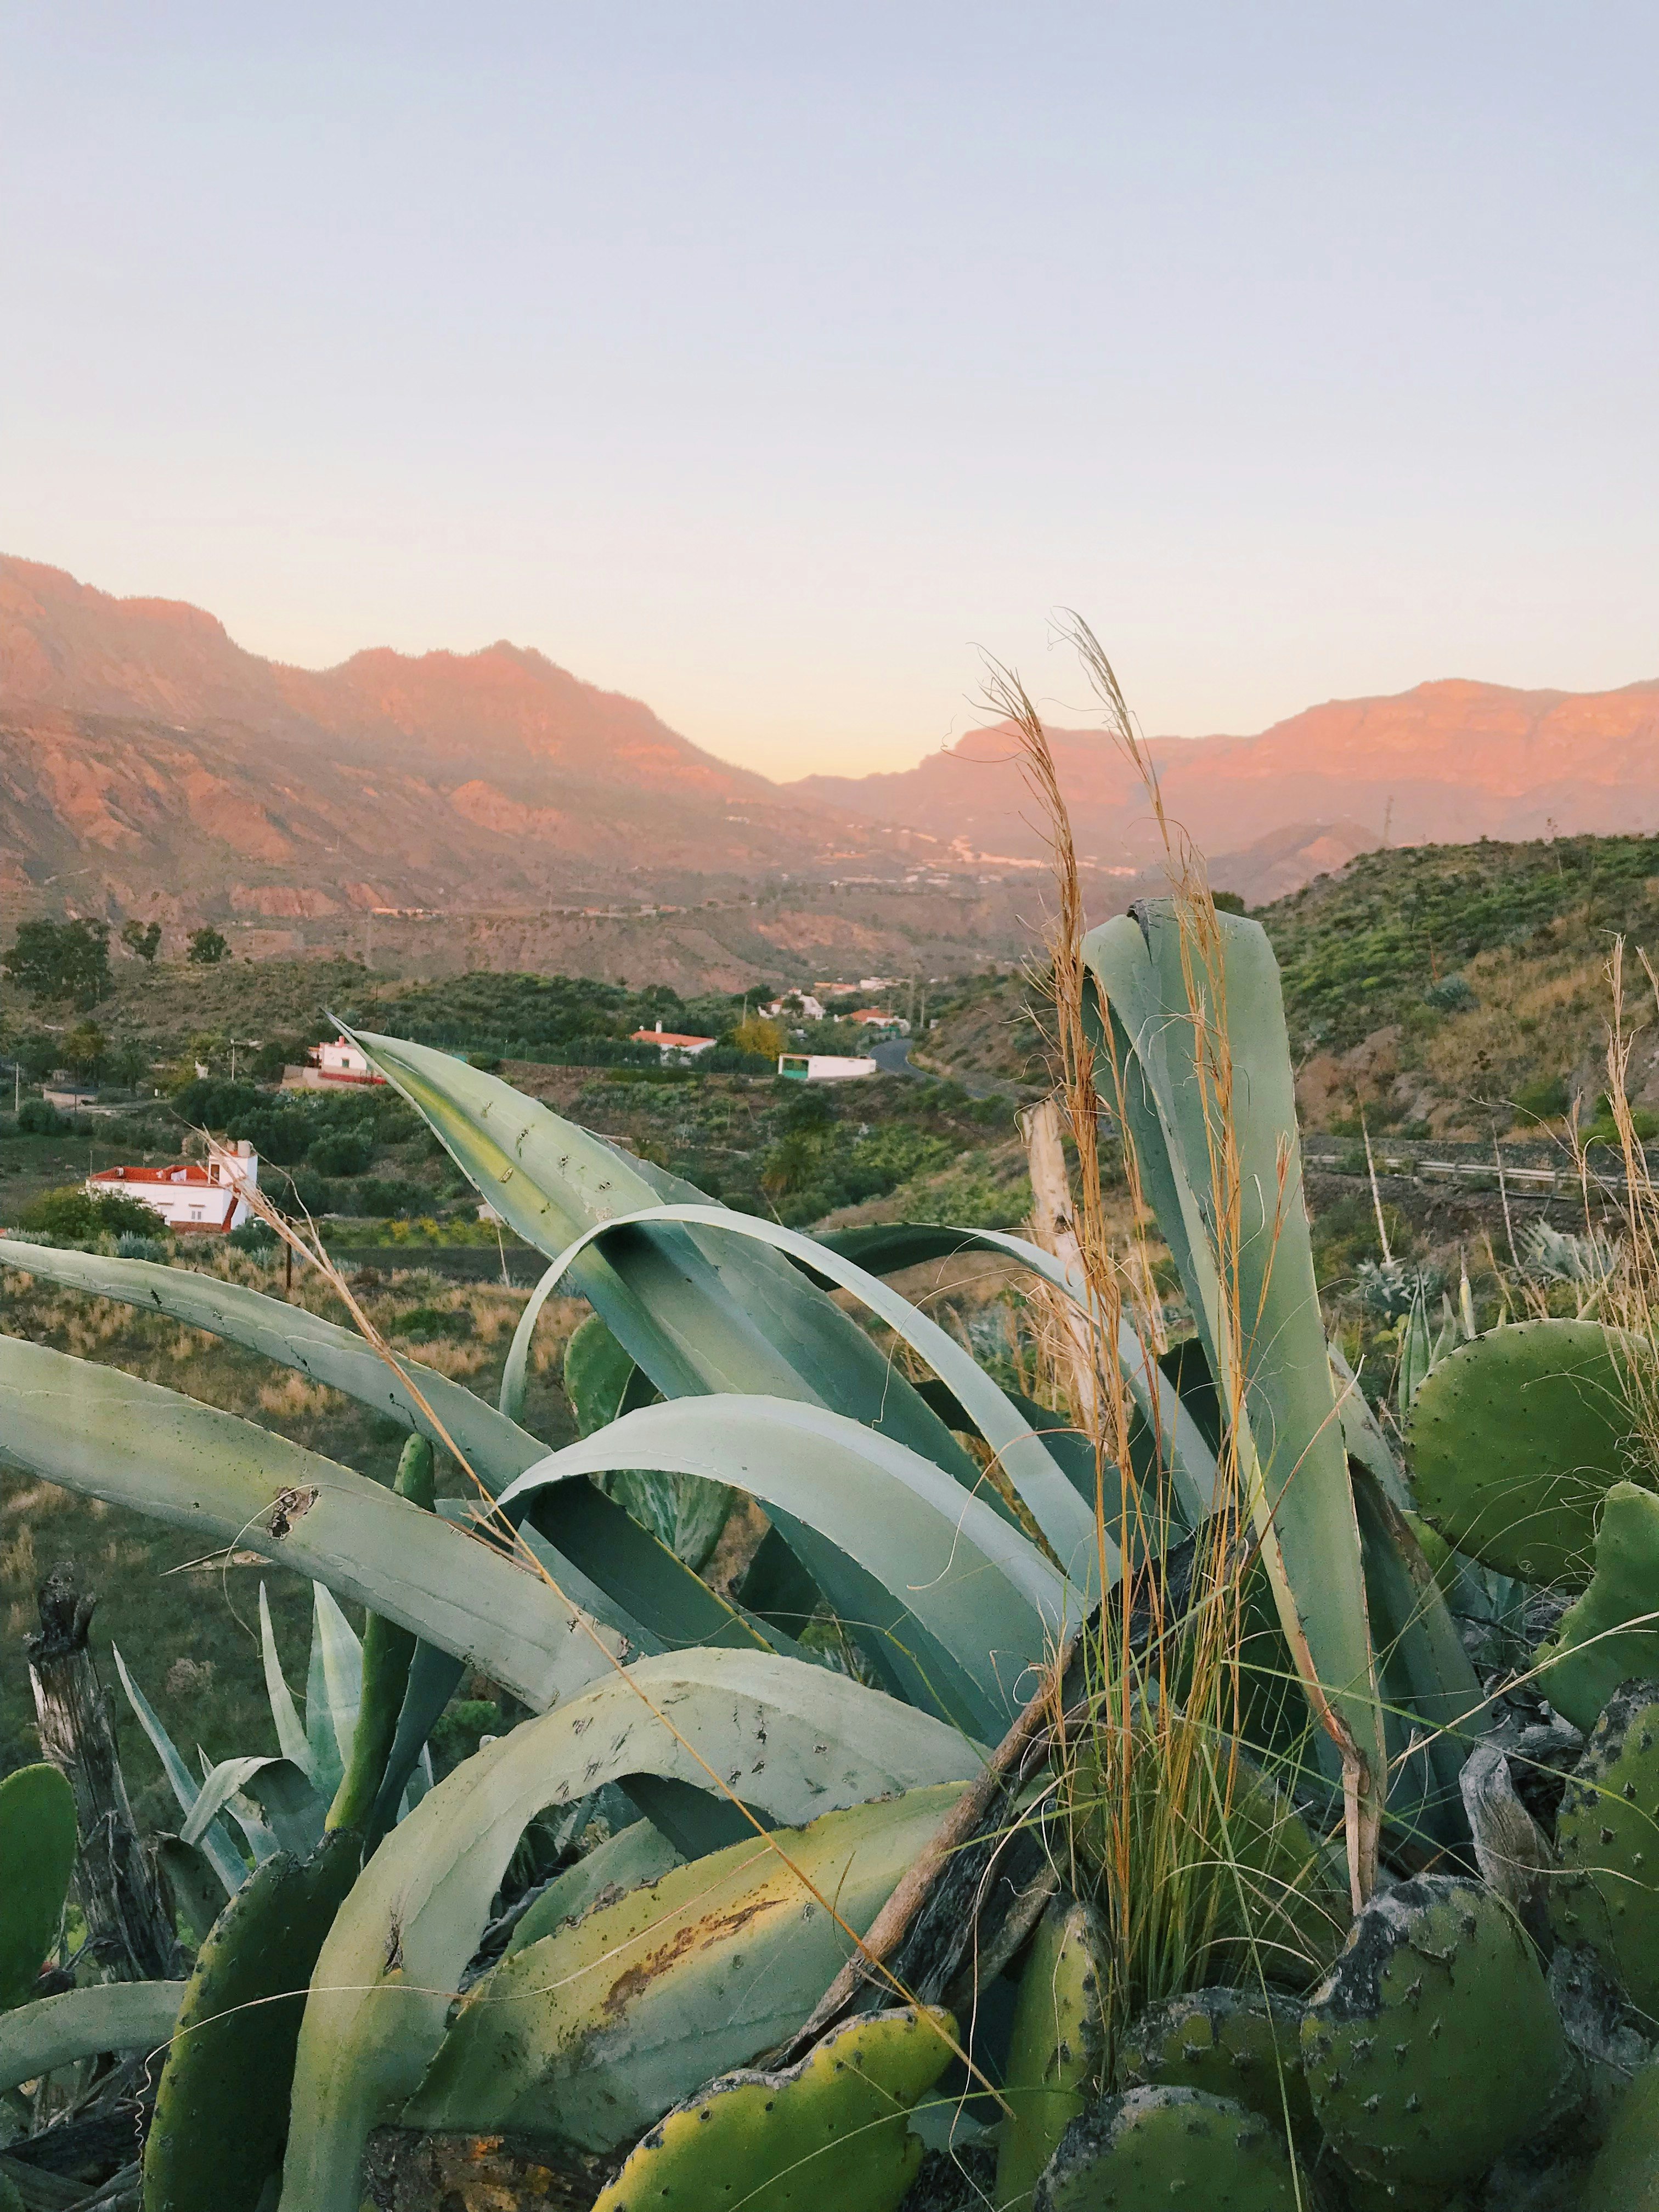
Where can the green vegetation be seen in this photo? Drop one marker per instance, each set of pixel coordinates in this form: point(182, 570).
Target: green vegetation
point(54, 961)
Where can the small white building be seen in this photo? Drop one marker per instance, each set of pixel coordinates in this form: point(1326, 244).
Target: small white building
point(879, 1022)
point(200, 1197)
point(672, 1045)
point(342, 1063)
point(823, 1068)
point(797, 1005)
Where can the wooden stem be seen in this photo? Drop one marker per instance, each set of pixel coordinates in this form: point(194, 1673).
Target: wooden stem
point(130, 1928)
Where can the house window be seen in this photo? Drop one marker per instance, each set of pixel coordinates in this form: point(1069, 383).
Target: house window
point(196, 1213)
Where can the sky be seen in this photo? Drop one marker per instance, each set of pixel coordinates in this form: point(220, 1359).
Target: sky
point(771, 362)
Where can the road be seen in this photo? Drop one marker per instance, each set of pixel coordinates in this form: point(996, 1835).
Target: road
point(892, 1055)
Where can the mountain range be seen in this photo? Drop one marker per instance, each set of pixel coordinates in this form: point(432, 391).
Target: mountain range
point(150, 766)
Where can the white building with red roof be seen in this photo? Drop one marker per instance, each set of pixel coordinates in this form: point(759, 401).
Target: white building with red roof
point(673, 1044)
point(198, 1197)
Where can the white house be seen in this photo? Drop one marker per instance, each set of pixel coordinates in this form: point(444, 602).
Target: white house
point(878, 1020)
point(672, 1045)
point(823, 1068)
point(205, 1197)
point(799, 1005)
point(342, 1063)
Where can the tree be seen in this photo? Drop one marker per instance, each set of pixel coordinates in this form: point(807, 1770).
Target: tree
point(207, 948)
point(130, 1062)
point(54, 960)
point(143, 944)
point(84, 1047)
point(758, 1035)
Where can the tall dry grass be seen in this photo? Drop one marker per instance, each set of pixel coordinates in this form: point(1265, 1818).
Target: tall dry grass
point(1164, 1816)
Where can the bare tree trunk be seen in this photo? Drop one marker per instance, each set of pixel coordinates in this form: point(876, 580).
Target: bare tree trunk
point(1051, 1227)
point(130, 1930)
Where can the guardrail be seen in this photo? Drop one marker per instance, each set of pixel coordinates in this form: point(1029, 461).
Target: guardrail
point(1551, 1181)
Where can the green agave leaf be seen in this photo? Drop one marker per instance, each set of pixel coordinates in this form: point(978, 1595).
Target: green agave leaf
point(696, 1313)
point(37, 2038)
point(334, 1689)
point(1362, 1435)
point(1065, 1520)
point(321, 1350)
point(601, 1381)
point(626, 1861)
point(983, 1597)
point(615, 1553)
point(885, 1247)
point(215, 1844)
point(1290, 1441)
point(611, 2022)
point(795, 1740)
point(109, 1435)
point(220, 1786)
point(291, 1738)
point(1435, 1708)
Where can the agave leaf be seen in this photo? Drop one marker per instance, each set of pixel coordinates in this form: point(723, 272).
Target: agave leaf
point(198, 1895)
point(885, 1247)
point(336, 1691)
point(635, 1856)
point(615, 1554)
point(601, 1381)
point(1436, 1709)
point(223, 1785)
point(216, 1846)
point(52, 2031)
point(284, 1796)
point(1289, 1438)
point(109, 1435)
point(1066, 1522)
point(1362, 1434)
point(612, 2022)
point(795, 1740)
point(291, 1738)
point(696, 1313)
point(969, 1589)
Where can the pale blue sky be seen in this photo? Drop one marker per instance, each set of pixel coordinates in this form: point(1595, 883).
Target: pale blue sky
point(762, 361)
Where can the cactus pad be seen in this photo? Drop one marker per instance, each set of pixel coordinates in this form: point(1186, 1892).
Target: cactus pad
point(1607, 1836)
point(221, 2103)
point(1515, 1440)
point(1056, 2051)
point(1154, 2147)
point(833, 2130)
point(1238, 2044)
point(1593, 1652)
point(1434, 2047)
point(1626, 2175)
point(38, 1843)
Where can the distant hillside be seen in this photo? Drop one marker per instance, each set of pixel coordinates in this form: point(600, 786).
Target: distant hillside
point(1457, 989)
point(1447, 760)
point(491, 809)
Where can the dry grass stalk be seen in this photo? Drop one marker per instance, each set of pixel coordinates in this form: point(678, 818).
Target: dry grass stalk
point(1154, 1786)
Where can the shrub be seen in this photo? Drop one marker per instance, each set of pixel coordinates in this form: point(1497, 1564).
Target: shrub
point(130, 1245)
point(73, 1213)
point(1542, 1100)
point(1451, 995)
point(341, 1152)
point(36, 1119)
point(253, 1236)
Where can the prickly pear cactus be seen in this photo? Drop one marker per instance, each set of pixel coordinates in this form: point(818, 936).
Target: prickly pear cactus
point(1056, 2051)
point(1606, 1836)
point(833, 2131)
point(1242, 2044)
point(1434, 2047)
point(221, 2103)
point(1626, 2175)
point(38, 1845)
point(1154, 2147)
point(1514, 1439)
point(1592, 1651)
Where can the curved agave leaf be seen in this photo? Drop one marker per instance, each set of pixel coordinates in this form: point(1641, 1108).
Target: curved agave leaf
point(215, 1846)
point(291, 1738)
point(641, 1579)
point(883, 1247)
point(1066, 1522)
point(635, 1856)
point(696, 1313)
point(983, 1596)
point(612, 2022)
point(1289, 1437)
point(37, 2038)
point(334, 1688)
point(108, 1435)
point(793, 1741)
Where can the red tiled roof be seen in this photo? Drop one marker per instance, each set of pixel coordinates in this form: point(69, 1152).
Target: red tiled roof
point(666, 1036)
point(190, 1173)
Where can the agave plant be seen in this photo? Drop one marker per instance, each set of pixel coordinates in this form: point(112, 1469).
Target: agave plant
point(832, 1864)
